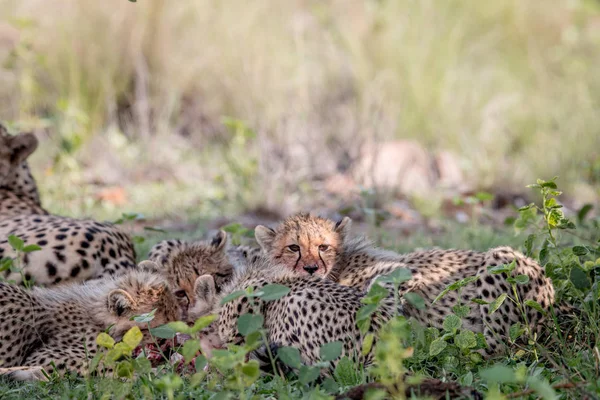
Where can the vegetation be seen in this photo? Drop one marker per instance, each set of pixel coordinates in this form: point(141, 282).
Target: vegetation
point(185, 111)
point(202, 102)
point(560, 364)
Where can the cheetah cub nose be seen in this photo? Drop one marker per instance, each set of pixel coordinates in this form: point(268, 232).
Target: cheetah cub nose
point(311, 269)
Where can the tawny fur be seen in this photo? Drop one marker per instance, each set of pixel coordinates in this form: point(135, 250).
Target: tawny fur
point(72, 249)
point(358, 262)
point(60, 325)
point(313, 313)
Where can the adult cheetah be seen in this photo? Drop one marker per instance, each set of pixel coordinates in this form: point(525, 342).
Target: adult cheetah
point(71, 249)
point(314, 245)
point(59, 325)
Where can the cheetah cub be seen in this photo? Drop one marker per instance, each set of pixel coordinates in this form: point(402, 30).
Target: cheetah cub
point(305, 240)
point(72, 249)
point(181, 263)
point(315, 311)
point(60, 325)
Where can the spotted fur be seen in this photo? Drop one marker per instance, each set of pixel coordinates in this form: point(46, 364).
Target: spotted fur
point(359, 262)
point(72, 249)
point(313, 313)
point(60, 325)
point(182, 263)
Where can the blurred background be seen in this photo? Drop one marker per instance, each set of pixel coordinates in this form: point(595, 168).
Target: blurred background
point(394, 110)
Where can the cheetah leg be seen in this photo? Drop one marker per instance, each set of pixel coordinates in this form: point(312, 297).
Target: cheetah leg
point(60, 359)
point(35, 373)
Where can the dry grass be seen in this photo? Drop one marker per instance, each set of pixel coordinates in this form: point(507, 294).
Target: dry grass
point(510, 86)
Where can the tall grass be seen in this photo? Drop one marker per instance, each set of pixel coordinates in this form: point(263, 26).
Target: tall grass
point(510, 86)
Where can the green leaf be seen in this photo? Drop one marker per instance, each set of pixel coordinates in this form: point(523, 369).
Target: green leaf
point(180, 327)
point(367, 344)
point(307, 374)
point(203, 322)
point(495, 305)
point(31, 248)
point(16, 243)
point(465, 340)
point(190, 349)
point(365, 312)
point(535, 305)
point(125, 369)
point(416, 300)
point(331, 351)
point(144, 318)
point(346, 373)
point(504, 268)
point(330, 386)
point(399, 275)
point(142, 365)
point(467, 379)
point(452, 323)
point(521, 279)
point(133, 337)
point(251, 371)
point(515, 331)
point(200, 363)
point(499, 374)
point(104, 340)
point(163, 332)
point(529, 245)
point(461, 311)
point(544, 256)
point(249, 323)
point(455, 286)
point(436, 347)
point(233, 296)
point(580, 250)
point(290, 356)
point(579, 278)
point(479, 301)
point(376, 294)
point(273, 292)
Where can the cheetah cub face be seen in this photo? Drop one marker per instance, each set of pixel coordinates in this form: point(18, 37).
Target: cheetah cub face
point(14, 150)
point(306, 244)
point(138, 293)
point(185, 265)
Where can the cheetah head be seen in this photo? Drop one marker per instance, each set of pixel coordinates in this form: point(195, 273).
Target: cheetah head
point(184, 266)
point(304, 243)
point(14, 150)
point(140, 292)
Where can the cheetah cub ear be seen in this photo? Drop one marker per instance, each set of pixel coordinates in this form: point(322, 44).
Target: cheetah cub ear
point(120, 302)
point(343, 226)
point(264, 236)
point(219, 241)
point(21, 147)
point(149, 266)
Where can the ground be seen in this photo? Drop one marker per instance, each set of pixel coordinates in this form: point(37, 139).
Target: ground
point(554, 366)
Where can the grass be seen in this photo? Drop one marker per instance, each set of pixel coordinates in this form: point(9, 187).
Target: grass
point(561, 365)
point(192, 110)
point(510, 87)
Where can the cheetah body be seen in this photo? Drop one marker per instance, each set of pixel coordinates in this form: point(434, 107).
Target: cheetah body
point(72, 249)
point(313, 313)
point(60, 325)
